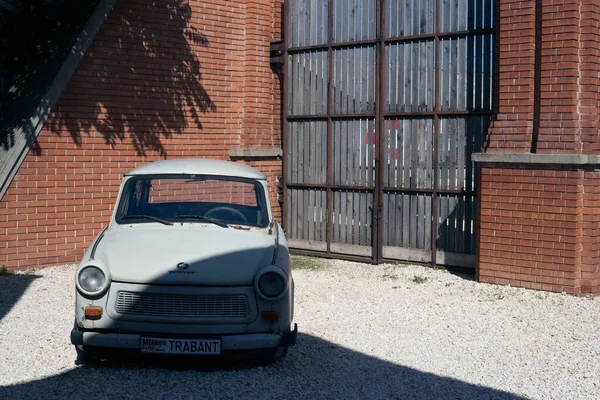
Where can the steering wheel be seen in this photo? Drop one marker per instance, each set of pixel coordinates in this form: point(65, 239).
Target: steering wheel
point(231, 210)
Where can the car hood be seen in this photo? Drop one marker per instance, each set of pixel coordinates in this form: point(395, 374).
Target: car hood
point(214, 255)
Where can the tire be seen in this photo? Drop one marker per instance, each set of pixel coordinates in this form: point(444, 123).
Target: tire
point(276, 355)
point(83, 356)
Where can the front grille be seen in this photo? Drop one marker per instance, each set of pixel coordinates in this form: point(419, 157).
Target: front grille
point(181, 305)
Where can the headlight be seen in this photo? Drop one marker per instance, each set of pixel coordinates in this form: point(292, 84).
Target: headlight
point(271, 283)
point(92, 279)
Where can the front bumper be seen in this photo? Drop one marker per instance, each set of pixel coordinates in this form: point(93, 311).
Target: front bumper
point(251, 341)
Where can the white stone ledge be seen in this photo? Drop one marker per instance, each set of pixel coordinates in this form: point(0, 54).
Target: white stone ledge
point(255, 153)
point(531, 158)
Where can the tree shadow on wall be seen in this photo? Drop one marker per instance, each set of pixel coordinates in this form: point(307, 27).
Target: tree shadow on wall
point(35, 39)
point(140, 80)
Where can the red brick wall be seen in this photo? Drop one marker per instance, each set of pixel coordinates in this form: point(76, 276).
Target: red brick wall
point(539, 224)
point(589, 79)
point(568, 73)
point(559, 129)
point(162, 79)
point(530, 228)
point(590, 237)
point(515, 50)
point(539, 228)
point(262, 96)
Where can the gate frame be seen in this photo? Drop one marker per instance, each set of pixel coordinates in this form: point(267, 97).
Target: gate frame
point(380, 42)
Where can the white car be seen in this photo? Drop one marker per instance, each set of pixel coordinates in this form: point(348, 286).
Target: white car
point(191, 263)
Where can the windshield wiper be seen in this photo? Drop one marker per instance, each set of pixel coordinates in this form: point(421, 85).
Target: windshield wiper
point(204, 219)
point(150, 217)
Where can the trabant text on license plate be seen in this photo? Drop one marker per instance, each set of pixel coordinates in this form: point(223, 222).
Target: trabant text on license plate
point(180, 346)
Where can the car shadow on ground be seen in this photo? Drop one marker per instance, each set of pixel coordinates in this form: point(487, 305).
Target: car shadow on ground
point(314, 369)
point(12, 288)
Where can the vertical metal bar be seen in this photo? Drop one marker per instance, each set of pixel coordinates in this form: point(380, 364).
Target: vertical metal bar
point(379, 127)
point(434, 201)
point(469, 181)
point(329, 126)
point(284, 112)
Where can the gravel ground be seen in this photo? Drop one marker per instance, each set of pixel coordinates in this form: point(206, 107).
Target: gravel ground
point(366, 332)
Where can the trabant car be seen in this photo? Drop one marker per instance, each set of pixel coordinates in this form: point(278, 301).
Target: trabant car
point(192, 262)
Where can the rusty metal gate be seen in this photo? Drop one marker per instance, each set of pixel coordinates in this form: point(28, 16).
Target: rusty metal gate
point(420, 72)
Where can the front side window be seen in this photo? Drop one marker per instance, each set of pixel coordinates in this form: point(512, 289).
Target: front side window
point(193, 198)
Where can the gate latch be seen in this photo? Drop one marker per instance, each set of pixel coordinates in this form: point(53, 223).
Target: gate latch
point(378, 212)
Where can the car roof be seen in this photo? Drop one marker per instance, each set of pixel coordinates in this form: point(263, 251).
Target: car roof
point(197, 167)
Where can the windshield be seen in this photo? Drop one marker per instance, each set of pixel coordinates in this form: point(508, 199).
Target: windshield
point(193, 199)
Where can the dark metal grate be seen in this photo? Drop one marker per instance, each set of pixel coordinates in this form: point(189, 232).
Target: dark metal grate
point(181, 305)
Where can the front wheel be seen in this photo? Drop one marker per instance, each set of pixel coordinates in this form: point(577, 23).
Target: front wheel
point(83, 356)
point(276, 355)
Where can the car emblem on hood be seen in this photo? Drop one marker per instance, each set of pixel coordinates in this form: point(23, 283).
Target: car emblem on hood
point(180, 269)
point(182, 265)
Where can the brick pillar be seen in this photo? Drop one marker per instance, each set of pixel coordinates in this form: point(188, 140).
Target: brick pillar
point(562, 93)
point(261, 138)
point(590, 250)
point(539, 177)
point(589, 77)
point(514, 49)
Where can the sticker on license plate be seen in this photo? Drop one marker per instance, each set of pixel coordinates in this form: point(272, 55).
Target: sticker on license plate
point(180, 346)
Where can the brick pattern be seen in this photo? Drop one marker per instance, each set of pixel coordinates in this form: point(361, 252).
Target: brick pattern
point(559, 129)
point(512, 127)
point(530, 227)
point(569, 104)
point(539, 225)
point(590, 238)
point(258, 110)
point(162, 79)
point(539, 228)
point(262, 112)
point(589, 78)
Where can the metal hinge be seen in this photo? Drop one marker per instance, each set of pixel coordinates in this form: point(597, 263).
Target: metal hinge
point(276, 52)
point(280, 184)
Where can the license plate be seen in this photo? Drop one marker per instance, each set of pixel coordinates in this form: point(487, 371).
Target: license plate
point(180, 346)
